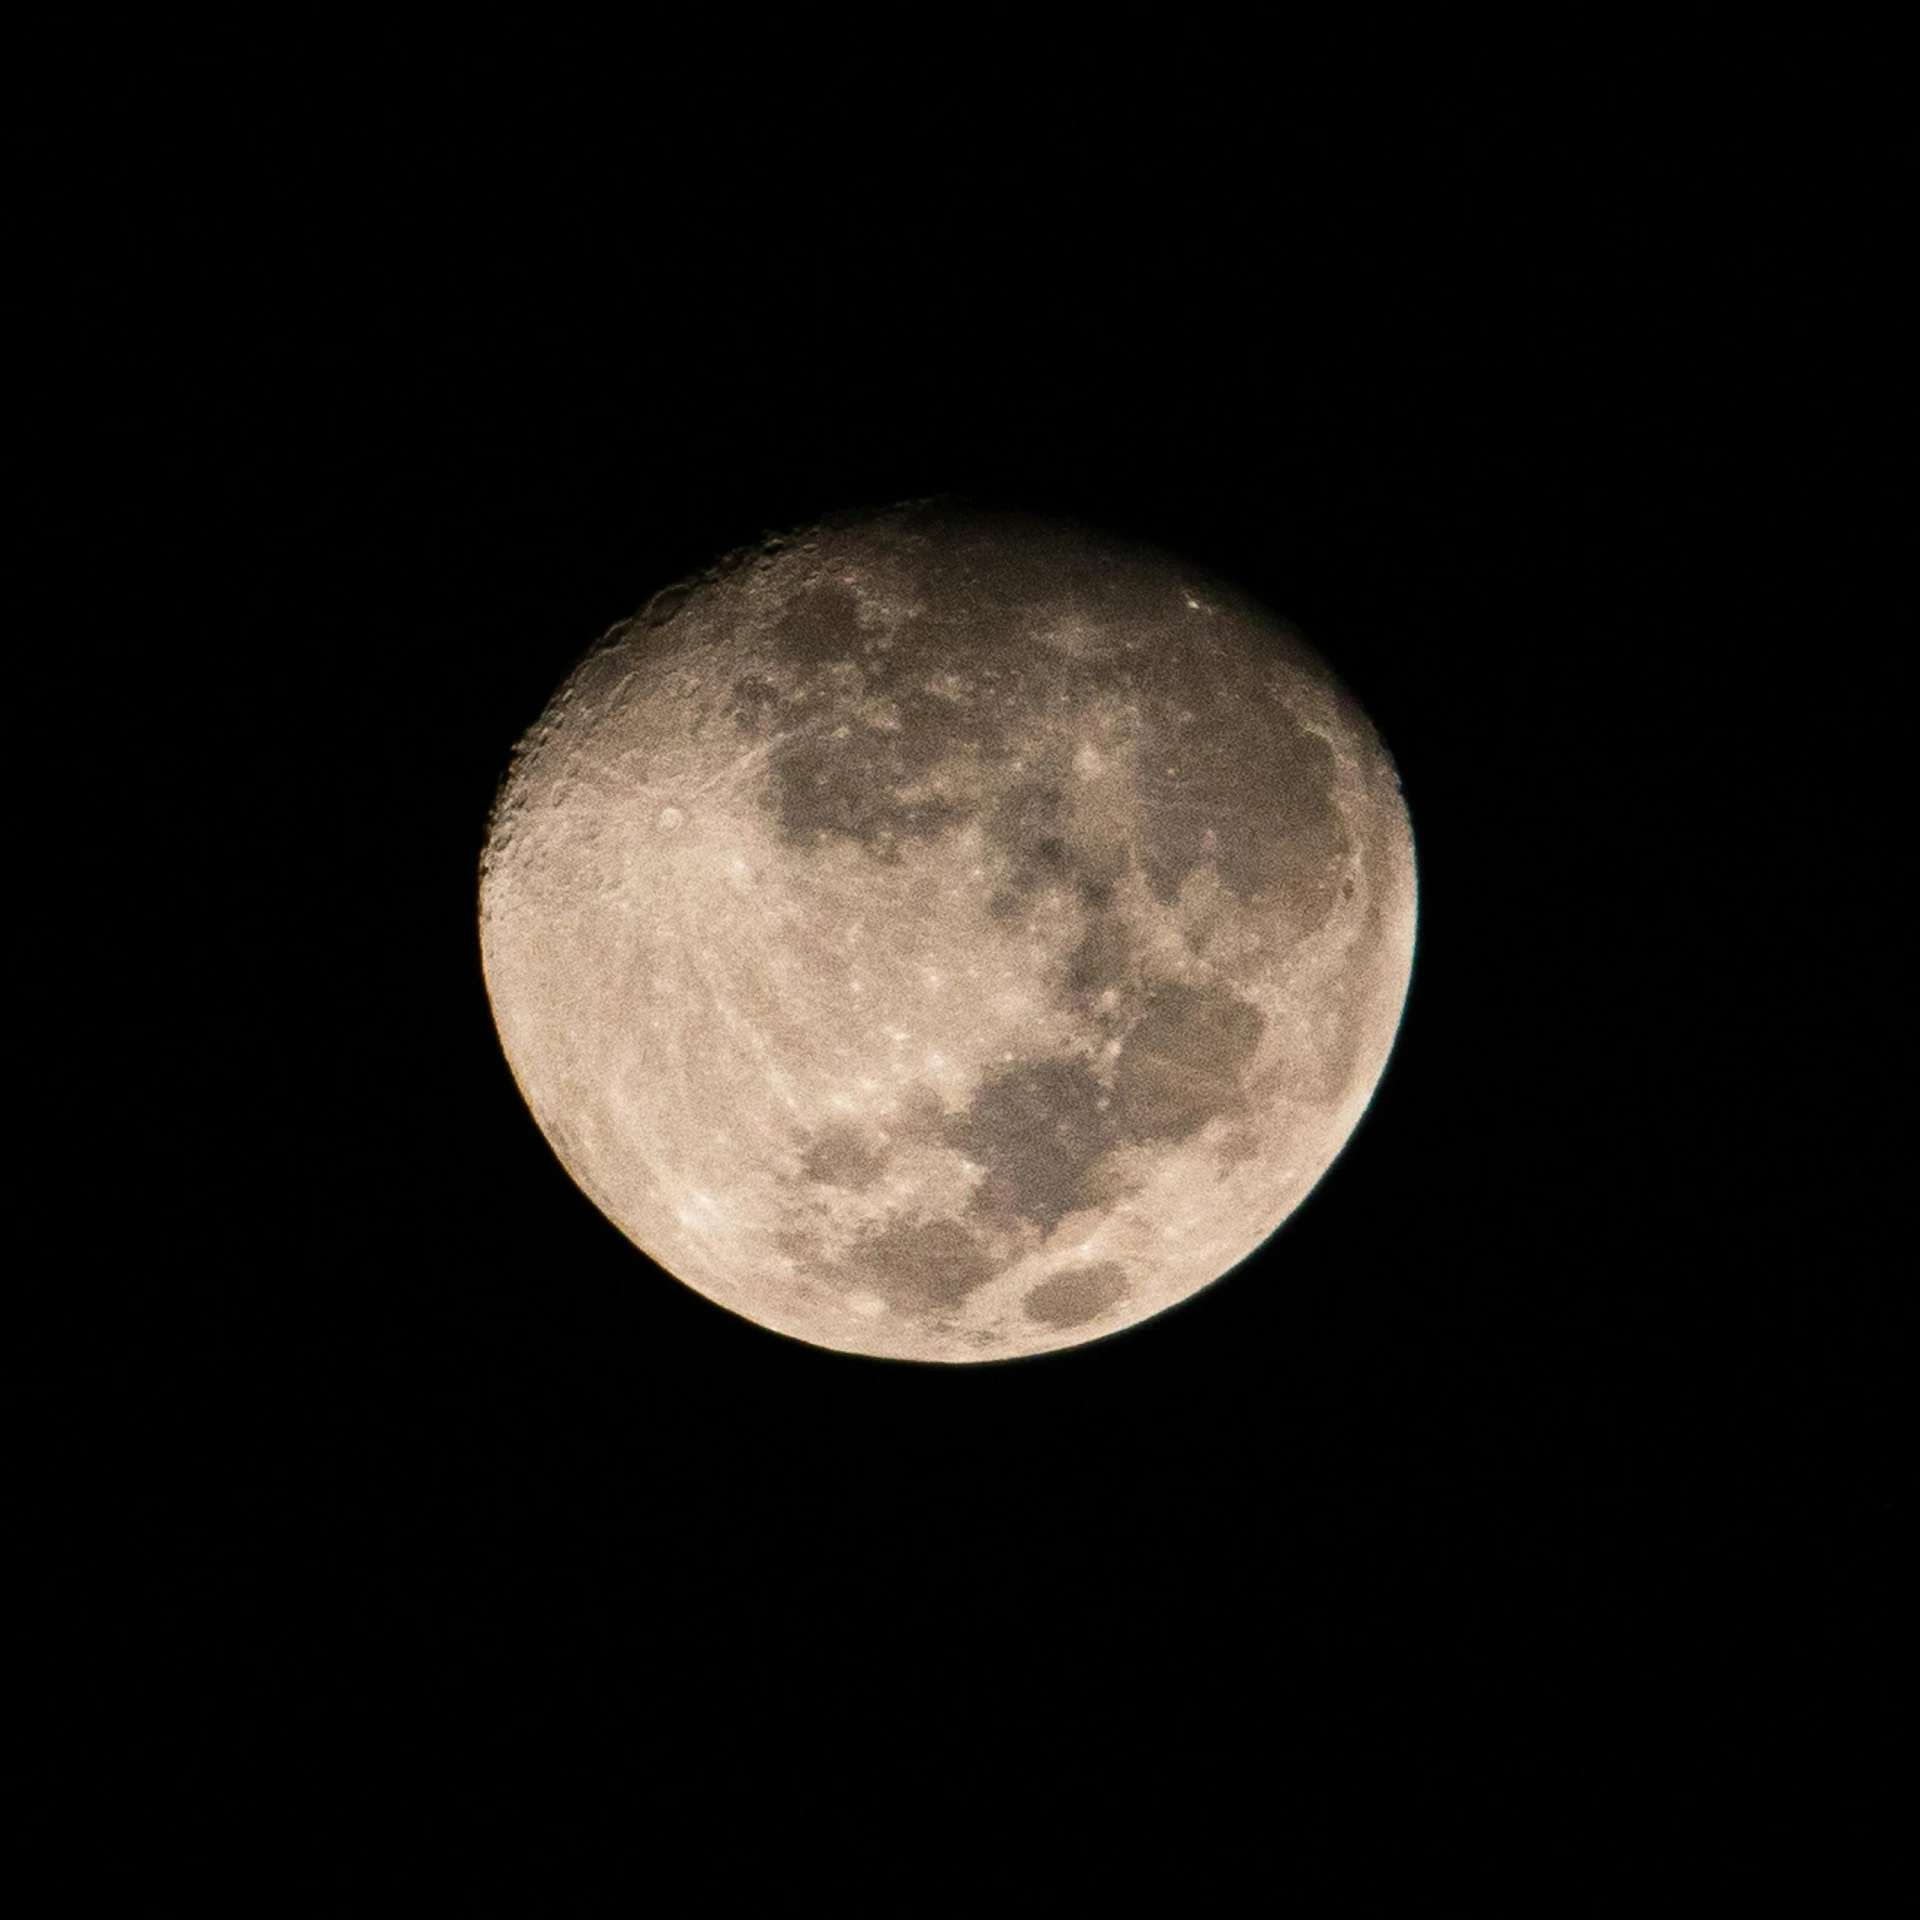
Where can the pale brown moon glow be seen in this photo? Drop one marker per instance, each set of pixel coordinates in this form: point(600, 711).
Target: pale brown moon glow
point(949, 936)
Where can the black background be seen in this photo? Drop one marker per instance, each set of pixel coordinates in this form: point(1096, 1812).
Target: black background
point(1532, 1483)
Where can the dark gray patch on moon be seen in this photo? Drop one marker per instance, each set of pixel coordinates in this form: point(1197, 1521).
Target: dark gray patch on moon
point(1181, 1063)
point(930, 731)
point(848, 788)
point(1103, 958)
point(1028, 822)
point(847, 765)
point(924, 1263)
point(1039, 1127)
point(841, 1156)
point(1252, 796)
point(820, 625)
point(1094, 884)
point(1080, 1294)
point(1299, 842)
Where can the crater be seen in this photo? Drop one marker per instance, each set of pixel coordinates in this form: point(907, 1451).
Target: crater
point(755, 706)
point(1080, 1294)
point(1039, 1127)
point(1183, 1060)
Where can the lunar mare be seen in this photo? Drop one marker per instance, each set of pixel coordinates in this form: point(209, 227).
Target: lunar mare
point(948, 936)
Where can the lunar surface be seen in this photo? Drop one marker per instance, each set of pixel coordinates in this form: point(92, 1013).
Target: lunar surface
point(948, 936)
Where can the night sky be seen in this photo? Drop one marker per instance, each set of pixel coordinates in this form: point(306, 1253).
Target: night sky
point(1490, 1491)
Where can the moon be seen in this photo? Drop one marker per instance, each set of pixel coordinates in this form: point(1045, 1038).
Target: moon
point(949, 935)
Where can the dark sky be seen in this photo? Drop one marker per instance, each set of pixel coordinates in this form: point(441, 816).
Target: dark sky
point(399, 380)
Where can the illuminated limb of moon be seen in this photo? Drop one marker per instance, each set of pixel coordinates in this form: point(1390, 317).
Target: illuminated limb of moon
point(949, 937)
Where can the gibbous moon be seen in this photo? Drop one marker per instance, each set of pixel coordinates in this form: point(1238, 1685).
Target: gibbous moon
point(948, 936)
